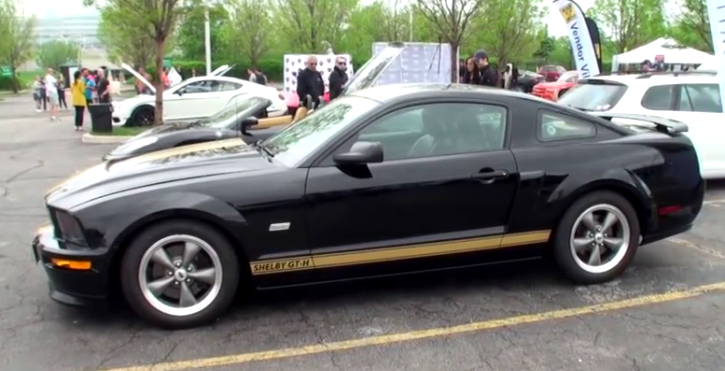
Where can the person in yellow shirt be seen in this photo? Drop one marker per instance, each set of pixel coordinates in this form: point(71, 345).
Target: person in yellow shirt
point(78, 97)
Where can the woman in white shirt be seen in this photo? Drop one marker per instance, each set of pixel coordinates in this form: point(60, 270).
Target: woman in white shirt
point(51, 90)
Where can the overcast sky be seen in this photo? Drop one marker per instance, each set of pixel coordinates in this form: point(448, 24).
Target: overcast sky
point(63, 8)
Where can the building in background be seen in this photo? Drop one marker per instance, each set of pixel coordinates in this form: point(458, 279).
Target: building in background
point(80, 29)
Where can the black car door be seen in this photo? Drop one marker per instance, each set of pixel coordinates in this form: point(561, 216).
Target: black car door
point(445, 187)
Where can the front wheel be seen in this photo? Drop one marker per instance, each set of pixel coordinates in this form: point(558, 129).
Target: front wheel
point(179, 274)
point(597, 238)
point(143, 116)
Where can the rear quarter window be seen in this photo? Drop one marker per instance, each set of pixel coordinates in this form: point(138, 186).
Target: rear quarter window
point(659, 98)
point(557, 127)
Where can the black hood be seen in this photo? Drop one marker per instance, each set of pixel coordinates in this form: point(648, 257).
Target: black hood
point(175, 164)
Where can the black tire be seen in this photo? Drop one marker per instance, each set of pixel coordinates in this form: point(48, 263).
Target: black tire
point(131, 284)
point(142, 116)
point(561, 245)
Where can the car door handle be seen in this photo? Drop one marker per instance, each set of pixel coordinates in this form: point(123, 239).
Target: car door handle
point(490, 176)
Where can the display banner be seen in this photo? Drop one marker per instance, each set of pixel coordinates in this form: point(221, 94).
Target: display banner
point(581, 41)
point(716, 9)
point(596, 40)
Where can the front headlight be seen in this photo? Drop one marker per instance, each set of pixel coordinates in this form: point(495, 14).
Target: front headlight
point(134, 144)
point(69, 228)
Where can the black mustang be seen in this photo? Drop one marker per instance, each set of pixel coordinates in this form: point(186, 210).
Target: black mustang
point(470, 175)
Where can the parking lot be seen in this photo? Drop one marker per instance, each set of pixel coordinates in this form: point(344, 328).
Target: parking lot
point(665, 313)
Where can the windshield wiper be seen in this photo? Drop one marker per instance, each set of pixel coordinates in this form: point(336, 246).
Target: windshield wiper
point(258, 144)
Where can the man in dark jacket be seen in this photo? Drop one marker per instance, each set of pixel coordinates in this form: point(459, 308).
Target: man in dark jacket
point(338, 78)
point(489, 76)
point(309, 81)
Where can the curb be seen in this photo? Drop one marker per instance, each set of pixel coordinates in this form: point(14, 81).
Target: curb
point(104, 139)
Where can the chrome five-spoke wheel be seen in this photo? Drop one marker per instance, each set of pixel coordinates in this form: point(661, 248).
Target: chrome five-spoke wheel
point(600, 238)
point(180, 275)
point(596, 237)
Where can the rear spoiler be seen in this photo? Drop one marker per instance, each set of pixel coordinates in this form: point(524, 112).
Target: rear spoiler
point(662, 124)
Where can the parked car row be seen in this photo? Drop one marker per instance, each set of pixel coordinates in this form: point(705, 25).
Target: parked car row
point(427, 176)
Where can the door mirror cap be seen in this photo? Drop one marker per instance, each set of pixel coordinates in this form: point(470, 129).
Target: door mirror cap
point(361, 153)
point(247, 123)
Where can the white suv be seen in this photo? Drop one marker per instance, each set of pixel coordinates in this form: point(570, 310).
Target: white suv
point(689, 97)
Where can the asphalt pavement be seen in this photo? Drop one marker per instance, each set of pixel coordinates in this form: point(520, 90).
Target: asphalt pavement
point(665, 313)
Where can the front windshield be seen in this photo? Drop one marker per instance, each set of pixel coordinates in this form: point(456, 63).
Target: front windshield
point(294, 144)
point(571, 76)
point(236, 106)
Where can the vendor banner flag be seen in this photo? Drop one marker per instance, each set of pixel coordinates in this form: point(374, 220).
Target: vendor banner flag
point(716, 9)
point(581, 41)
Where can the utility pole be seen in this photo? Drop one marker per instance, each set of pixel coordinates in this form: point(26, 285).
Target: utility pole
point(207, 37)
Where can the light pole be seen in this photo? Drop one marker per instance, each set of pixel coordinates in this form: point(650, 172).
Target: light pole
point(207, 38)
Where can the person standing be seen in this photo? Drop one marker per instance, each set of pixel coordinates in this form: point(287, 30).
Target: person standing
point(261, 77)
point(90, 85)
point(489, 76)
point(61, 92)
point(309, 82)
point(251, 75)
point(51, 91)
point(38, 93)
point(471, 76)
point(338, 78)
point(103, 88)
point(78, 99)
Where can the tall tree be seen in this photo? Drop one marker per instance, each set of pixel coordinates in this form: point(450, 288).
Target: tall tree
point(124, 39)
point(509, 28)
point(452, 19)
point(56, 52)
point(16, 42)
point(248, 29)
point(308, 24)
point(692, 25)
point(160, 18)
point(190, 34)
point(632, 23)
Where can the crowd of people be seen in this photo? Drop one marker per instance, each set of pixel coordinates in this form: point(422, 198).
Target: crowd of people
point(477, 70)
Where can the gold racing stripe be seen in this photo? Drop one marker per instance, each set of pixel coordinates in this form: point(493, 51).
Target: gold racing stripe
point(396, 253)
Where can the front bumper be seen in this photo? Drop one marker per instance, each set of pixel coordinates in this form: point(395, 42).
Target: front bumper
point(72, 286)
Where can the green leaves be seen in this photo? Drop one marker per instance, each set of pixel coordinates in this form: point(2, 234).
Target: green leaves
point(16, 43)
point(631, 23)
point(247, 31)
point(692, 25)
point(55, 53)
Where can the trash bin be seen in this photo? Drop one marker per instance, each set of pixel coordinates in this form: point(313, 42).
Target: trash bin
point(101, 119)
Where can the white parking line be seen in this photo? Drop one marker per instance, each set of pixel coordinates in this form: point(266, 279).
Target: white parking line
point(714, 202)
point(697, 247)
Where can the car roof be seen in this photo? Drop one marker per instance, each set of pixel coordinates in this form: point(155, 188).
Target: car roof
point(388, 93)
point(659, 78)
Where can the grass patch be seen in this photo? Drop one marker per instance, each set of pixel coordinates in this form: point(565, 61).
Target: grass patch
point(122, 131)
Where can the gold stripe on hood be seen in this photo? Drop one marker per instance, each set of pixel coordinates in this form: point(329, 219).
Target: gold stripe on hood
point(178, 151)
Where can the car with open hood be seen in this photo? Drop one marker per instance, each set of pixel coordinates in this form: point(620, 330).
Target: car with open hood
point(192, 99)
point(388, 180)
point(225, 124)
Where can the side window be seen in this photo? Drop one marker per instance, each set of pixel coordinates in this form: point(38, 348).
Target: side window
point(659, 98)
point(438, 129)
point(229, 86)
point(554, 127)
point(701, 98)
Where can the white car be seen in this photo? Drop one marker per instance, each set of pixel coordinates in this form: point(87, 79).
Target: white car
point(689, 97)
point(192, 99)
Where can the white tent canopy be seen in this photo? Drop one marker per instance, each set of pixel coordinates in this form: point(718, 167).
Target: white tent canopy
point(673, 52)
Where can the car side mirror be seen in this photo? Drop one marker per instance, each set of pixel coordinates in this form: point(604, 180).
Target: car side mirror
point(248, 123)
point(361, 153)
point(181, 92)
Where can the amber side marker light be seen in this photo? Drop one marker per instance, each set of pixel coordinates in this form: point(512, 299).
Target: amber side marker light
point(72, 264)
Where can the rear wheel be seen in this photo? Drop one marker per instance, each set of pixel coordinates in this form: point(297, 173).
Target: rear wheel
point(597, 238)
point(142, 116)
point(179, 274)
